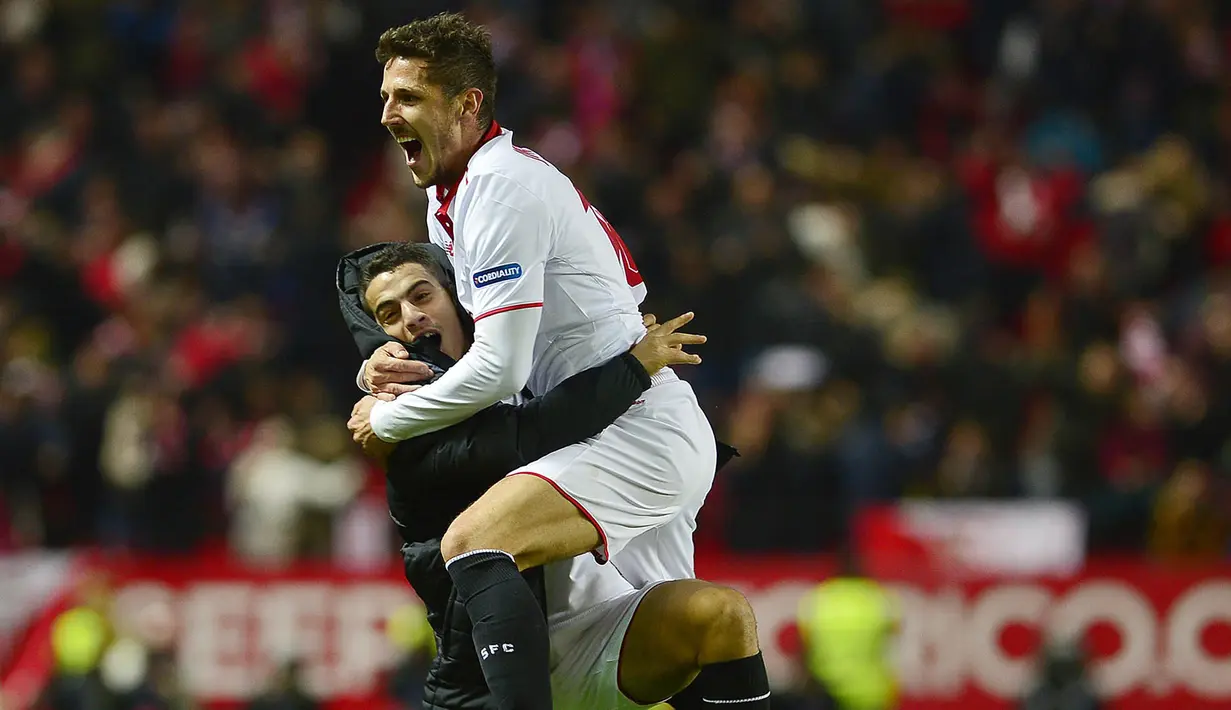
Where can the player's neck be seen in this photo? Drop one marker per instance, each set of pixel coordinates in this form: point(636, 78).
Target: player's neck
point(473, 139)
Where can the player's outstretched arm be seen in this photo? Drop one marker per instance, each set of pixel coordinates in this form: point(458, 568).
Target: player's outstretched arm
point(485, 447)
point(507, 234)
point(503, 437)
point(487, 374)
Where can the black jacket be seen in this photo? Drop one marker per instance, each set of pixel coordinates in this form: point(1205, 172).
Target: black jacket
point(430, 479)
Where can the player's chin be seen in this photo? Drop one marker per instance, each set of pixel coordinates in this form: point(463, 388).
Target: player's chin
point(423, 180)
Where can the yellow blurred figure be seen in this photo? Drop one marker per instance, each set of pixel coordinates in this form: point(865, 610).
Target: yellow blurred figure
point(409, 631)
point(78, 638)
point(846, 624)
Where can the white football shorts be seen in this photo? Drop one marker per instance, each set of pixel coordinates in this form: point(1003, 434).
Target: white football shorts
point(585, 656)
point(641, 481)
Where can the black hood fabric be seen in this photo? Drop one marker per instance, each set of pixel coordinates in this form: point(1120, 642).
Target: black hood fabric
point(363, 328)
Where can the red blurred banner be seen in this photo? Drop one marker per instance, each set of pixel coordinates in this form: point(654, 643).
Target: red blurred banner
point(1161, 636)
point(233, 624)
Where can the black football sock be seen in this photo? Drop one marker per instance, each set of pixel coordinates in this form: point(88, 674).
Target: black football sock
point(730, 685)
point(510, 631)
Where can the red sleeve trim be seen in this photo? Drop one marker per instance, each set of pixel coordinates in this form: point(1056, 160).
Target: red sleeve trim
point(506, 309)
point(600, 552)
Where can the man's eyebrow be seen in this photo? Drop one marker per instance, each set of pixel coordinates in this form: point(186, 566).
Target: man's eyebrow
point(385, 303)
point(402, 92)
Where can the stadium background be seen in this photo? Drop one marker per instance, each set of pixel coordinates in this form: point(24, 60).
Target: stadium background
point(943, 249)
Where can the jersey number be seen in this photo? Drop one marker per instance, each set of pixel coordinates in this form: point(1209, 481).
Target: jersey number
point(631, 275)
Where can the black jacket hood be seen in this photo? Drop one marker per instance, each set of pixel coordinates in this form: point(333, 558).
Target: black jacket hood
point(363, 328)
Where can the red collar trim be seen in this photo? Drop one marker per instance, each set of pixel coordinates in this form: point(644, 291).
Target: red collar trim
point(445, 195)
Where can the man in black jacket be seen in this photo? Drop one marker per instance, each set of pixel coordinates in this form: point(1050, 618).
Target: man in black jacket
point(655, 641)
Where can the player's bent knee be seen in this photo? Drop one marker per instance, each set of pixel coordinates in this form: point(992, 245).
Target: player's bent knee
point(726, 624)
point(463, 536)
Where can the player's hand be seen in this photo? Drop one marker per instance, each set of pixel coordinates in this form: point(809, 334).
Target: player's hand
point(360, 426)
point(386, 397)
point(379, 451)
point(663, 346)
point(390, 370)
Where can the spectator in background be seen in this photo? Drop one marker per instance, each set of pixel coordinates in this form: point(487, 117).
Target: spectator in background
point(412, 636)
point(138, 677)
point(783, 439)
point(80, 636)
point(285, 691)
point(1063, 683)
point(143, 455)
point(1189, 522)
point(287, 488)
point(846, 625)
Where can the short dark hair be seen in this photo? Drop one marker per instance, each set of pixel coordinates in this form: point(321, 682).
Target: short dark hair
point(393, 256)
point(458, 54)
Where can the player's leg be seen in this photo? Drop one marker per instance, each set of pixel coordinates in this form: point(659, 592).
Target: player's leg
point(695, 643)
point(634, 477)
point(516, 524)
point(525, 516)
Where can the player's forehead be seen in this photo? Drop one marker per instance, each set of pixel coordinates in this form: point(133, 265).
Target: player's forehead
point(396, 283)
point(407, 74)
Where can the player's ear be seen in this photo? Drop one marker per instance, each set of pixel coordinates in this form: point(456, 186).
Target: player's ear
point(472, 99)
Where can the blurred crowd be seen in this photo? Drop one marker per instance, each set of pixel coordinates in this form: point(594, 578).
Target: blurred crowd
point(944, 248)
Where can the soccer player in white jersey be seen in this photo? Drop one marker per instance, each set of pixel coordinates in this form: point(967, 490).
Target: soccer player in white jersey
point(553, 291)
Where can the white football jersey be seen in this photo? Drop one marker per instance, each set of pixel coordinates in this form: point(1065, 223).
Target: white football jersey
point(521, 235)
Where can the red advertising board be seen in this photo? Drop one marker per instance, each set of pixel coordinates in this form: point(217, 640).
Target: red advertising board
point(1161, 637)
point(233, 624)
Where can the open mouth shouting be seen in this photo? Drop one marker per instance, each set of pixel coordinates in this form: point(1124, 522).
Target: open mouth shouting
point(413, 148)
point(428, 335)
